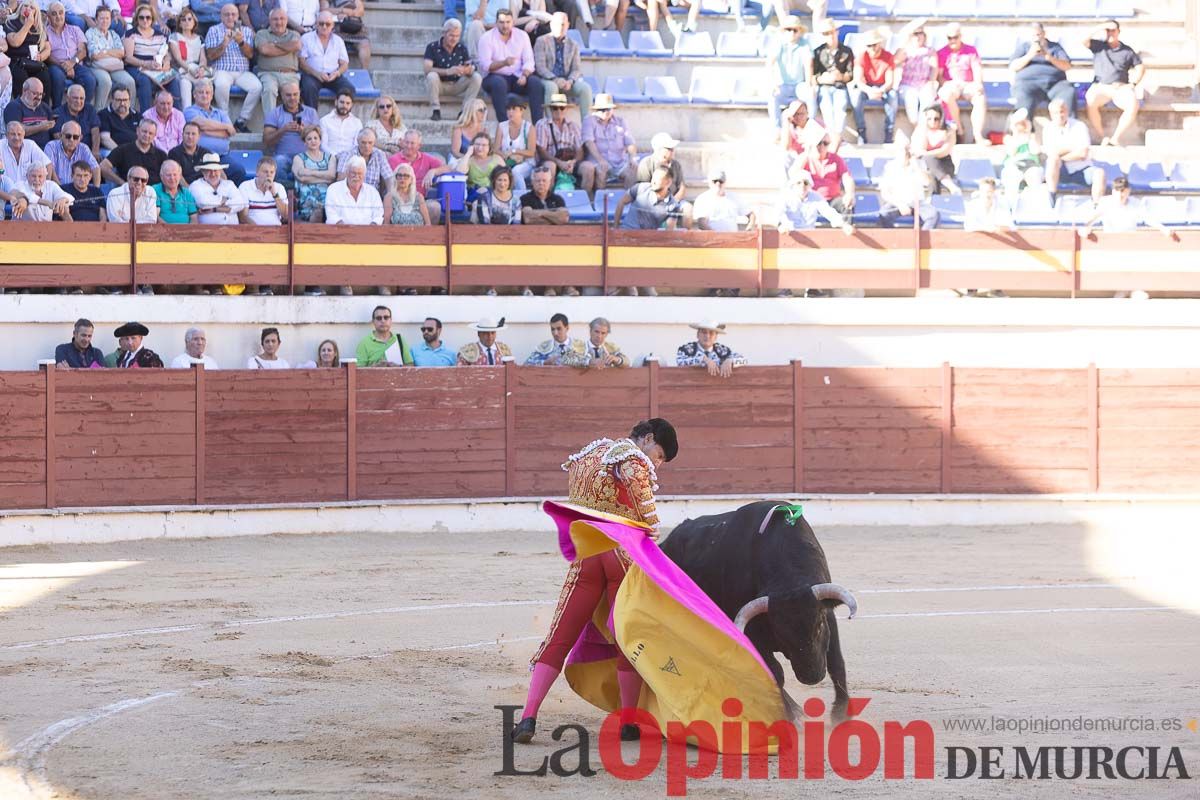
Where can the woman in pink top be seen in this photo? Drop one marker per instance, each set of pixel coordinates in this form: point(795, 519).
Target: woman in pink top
point(961, 75)
point(933, 142)
point(917, 62)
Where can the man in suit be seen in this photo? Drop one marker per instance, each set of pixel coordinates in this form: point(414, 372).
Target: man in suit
point(487, 351)
point(560, 350)
point(556, 62)
point(130, 353)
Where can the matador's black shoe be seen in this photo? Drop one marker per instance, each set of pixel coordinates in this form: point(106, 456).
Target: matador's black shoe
point(630, 733)
point(523, 732)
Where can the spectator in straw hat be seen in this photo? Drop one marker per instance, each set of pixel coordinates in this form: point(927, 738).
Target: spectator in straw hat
point(875, 79)
point(707, 352)
point(560, 146)
point(487, 351)
point(218, 200)
point(833, 71)
point(790, 66)
point(609, 144)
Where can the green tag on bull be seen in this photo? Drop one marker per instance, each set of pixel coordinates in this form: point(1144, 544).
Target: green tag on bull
point(792, 512)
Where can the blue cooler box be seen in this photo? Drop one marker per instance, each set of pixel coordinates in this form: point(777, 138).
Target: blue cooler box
point(452, 191)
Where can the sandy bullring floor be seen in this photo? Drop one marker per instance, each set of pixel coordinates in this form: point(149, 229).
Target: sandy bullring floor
point(365, 666)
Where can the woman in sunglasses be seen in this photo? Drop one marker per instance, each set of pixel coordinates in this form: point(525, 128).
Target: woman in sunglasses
point(388, 125)
point(147, 59)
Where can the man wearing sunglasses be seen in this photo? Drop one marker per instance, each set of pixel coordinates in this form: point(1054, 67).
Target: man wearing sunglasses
point(381, 347)
point(960, 72)
point(432, 351)
point(64, 151)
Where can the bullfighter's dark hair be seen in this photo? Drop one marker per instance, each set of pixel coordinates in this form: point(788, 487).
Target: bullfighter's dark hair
point(560, 317)
point(267, 332)
point(663, 432)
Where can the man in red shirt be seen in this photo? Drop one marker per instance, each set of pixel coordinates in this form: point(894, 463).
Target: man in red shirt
point(875, 79)
point(421, 163)
point(960, 73)
point(831, 177)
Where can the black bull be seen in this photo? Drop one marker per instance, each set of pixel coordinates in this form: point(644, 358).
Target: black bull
point(772, 579)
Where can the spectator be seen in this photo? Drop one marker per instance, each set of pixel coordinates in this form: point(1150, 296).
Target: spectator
point(75, 109)
point(31, 112)
point(789, 65)
point(303, 16)
point(798, 207)
point(189, 153)
point(662, 157)
point(229, 48)
point(218, 201)
point(388, 125)
point(985, 211)
point(560, 146)
point(45, 199)
point(79, 352)
point(349, 15)
point(323, 61)
point(352, 201)
point(147, 59)
point(516, 144)
point(477, 166)
point(169, 121)
point(328, 356)
point(1118, 215)
point(960, 72)
point(656, 8)
point(131, 354)
point(449, 69)
point(8, 195)
point(282, 128)
point(209, 13)
point(379, 174)
point(917, 62)
point(556, 60)
point(1039, 69)
point(1022, 157)
point(1068, 153)
point(194, 343)
point(715, 209)
point(65, 151)
point(799, 135)
point(176, 205)
point(833, 70)
point(140, 152)
point(831, 177)
point(339, 128)
point(85, 14)
point(256, 15)
point(481, 17)
point(487, 351)
point(106, 52)
point(88, 205)
point(278, 62)
point(649, 206)
point(166, 12)
point(601, 352)
point(25, 33)
point(500, 205)
point(560, 350)
point(905, 184)
point(933, 142)
point(381, 347)
point(540, 206)
point(17, 154)
point(609, 144)
point(472, 121)
point(266, 199)
point(422, 164)
point(216, 129)
point(506, 60)
point(874, 79)
point(68, 50)
point(269, 357)
point(403, 204)
point(707, 352)
point(533, 17)
point(432, 351)
point(1118, 77)
point(314, 169)
point(147, 199)
point(118, 125)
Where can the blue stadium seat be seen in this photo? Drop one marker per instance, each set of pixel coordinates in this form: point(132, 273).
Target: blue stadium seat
point(577, 37)
point(1113, 9)
point(738, 45)
point(607, 43)
point(914, 8)
point(648, 44)
point(696, 45)
point(840, 8)
point(995, 45)
point(999, 93)
point(952, 209)
point(1148, 177)
point(982, 9)
point(613, 196)
point(711, 85)
point(360, 79)
point(854, 40)
point(1112, 171)
point(871, 8)
point(866, 208)
point(592, 82)
point(246, 159)
point(664, 89)
point(1167, 210)
point(1078, 9)
point(106, 187)
point(579, 205)
point(1034, 209)
point(624, 89)
point(750, 91)
point(1185, 177)
point(971, 170)
point(858, 171)
point(1074, 209)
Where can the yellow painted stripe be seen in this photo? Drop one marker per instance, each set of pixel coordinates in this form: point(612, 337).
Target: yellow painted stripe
point(999, 260)
point(82, 253)
point(1131, 261)
point(529, 255)
point(217, 253)
point(370, 255)
point(831, 258)
point(734, 258)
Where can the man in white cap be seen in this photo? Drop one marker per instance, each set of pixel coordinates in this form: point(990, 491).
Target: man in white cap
point(609, 144)
point(960, 72)
point(663, 157)
point(487, 352)
point(217, 199)
point(875, 79)
point(789, 65)
point(798, 207)
point(560, 145)
point(707, 352)
point(716, 209)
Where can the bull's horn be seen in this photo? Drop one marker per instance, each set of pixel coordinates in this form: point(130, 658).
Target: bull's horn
point(749, 611)
point(834, 591)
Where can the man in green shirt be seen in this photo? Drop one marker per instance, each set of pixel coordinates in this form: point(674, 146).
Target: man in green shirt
point(373, 350)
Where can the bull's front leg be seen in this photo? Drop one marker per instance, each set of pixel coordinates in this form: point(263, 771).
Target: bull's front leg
point(765, 648)
point(836, 666)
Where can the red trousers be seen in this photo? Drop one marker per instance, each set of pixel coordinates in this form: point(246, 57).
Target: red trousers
point(588, 580)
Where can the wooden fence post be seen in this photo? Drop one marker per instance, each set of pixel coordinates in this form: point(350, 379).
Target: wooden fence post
point(759, 243)
point(510, 426)
point(652, 377)
point(291, 244)
point(797, 426)
point(49, 367)
point(351, 428)
point(449, 252)
point(1093, 402)
point(947, 424)
point(604, 248)
point(201, 423)
point(133, 285)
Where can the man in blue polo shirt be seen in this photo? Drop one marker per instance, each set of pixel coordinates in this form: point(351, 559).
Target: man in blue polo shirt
point(432, 352)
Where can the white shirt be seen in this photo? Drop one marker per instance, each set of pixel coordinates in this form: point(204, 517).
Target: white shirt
point(15, 167)
point(301, 13)
point(1073, 136)
point(184, 361)
point(51, 193)
point(260, 205)
point(323, 58)
point(800, 213)
point(340, 205)
point(118, 205)
point(984, 220)
point(261, 363)
point(720, 211)
point(225, 194)
point(338, 134)
point(1117, 218)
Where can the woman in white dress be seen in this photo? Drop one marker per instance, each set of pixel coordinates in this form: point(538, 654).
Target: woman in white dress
point(269, 357)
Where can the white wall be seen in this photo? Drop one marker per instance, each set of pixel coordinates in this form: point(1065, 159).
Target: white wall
point(822, 332)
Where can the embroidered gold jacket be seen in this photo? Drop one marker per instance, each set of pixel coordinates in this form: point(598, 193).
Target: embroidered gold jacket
point(615, 477)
